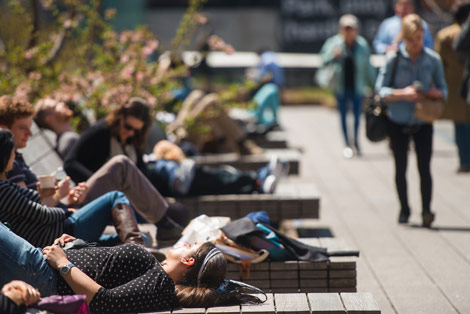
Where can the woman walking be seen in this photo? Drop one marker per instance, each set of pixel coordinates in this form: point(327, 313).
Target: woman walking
point(419, 71)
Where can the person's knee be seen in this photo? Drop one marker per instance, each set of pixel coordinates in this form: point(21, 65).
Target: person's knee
point(119, 161)
point(117, 197)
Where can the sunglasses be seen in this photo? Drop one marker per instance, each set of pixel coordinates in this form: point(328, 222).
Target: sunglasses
point(130, 127)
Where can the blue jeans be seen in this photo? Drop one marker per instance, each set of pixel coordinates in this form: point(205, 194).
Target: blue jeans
point(19, 260)
point(462, 139)
point(343, 105)
point(90, 221)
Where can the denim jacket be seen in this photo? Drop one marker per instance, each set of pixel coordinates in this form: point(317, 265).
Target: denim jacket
point(427, 69)
point(364, 73)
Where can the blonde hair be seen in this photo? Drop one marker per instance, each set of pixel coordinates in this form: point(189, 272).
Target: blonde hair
point(410, 24)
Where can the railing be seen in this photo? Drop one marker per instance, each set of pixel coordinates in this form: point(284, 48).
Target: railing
point(250, 59)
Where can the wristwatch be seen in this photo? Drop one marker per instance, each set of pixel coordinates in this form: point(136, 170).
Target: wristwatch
point(64, 270)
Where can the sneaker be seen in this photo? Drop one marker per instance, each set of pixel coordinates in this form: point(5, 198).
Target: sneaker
point(277, 167)
point(268, 186)
point(348, 152)
point(168, 231)
point(184, 176)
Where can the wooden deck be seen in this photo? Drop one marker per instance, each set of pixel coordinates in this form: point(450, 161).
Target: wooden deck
point(407, 269)
point(311, 303)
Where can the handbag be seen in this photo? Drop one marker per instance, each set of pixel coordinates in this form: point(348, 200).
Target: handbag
point(376, 112)
point(63, 304)
point(327, 76)
point(428, 109)
point(376, 120)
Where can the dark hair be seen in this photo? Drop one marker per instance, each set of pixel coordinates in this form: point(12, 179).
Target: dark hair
point(42, 109)
point(6, 147)
point(13, 108)
point(461, 11)
point(189, 292)
point(134, 107)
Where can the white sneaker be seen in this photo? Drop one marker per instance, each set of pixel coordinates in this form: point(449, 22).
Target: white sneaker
point(184, 176)
point(269, 184)
point(277, 167)
point(348, 152)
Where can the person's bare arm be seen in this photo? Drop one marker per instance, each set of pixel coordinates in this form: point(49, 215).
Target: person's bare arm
point(75, 278)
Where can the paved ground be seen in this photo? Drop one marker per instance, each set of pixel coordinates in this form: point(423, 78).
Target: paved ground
point(407, 268)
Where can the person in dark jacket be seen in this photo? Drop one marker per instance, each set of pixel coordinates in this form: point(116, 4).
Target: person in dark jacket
point(462, 44)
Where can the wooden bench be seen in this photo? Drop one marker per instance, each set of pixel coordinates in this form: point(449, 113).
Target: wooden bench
point(272, 139)
point(252, 162)
point(307, 303)
point(336, 275)
point(292, 199)
point(39, 154)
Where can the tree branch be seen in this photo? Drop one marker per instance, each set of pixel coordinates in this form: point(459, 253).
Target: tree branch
point(35, 31)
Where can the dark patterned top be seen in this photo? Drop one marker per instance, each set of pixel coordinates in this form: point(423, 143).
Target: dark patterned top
point(40, 225)
point(132, 280)
point(22, 173)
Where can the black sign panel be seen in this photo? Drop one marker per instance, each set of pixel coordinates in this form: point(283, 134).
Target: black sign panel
point(306, 24)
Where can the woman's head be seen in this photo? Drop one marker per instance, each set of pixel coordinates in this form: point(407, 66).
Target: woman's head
point(207, 270)
point(348, 26)
point(130, 122)
point(412, 33)
point(6, 150)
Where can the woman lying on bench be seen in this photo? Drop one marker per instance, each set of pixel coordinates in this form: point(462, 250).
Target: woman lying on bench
point(120, 279)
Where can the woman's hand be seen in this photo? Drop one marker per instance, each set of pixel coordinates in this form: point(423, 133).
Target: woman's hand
point(435, 93)
point(64, 239)
point(63, 188)
point(409, 93)
point(78, 194)
point(337, 52)
point(55, 256)
point(21, 293)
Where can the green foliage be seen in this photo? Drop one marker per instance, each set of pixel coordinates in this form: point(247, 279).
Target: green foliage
point(68, 50)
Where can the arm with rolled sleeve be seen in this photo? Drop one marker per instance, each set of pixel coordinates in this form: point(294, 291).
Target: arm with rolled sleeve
point(439, 78)
point(383, 83)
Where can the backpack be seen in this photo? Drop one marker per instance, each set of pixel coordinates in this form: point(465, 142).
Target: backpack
point(280, 247)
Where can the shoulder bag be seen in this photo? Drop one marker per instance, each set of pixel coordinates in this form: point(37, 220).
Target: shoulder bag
point(376, 112)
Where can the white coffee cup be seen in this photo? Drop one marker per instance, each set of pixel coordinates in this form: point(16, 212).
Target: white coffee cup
point(47, 181)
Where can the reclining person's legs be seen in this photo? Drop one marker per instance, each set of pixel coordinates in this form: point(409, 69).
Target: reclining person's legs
point(19, 260)
point(119, 173)
point(218, 181)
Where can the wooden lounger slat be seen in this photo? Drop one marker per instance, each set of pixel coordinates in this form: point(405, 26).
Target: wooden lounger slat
point(267, 307)
point(326, 303)
point(360, 303)
point(287, 303)
point(311, 303)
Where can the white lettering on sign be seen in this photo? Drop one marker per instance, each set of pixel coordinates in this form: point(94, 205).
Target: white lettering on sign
point(304, 8)
point(309, 31)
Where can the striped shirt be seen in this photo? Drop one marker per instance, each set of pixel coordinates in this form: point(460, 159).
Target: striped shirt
point(22, 209)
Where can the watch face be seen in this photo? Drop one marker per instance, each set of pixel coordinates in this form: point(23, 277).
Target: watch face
point(65, 269)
